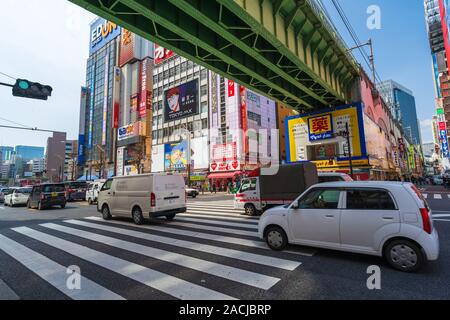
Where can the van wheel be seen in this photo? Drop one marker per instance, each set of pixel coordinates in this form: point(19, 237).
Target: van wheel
point(250, 209)
point(105, 213)
point(276, 238)
point(170, 217)
point(138, 218)
point(63, 206)
point(89, 201)
point(404, 255)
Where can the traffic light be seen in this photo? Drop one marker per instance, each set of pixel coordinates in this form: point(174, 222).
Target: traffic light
point(33, 90)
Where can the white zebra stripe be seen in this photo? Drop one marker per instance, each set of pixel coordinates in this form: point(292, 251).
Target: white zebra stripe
point(238, 275)
point(173, 286)
point(54, 273)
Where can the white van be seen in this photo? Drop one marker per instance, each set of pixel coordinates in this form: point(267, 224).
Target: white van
point(93, 190)
point(135, 196)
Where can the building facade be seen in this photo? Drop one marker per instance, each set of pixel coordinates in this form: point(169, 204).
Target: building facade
point(402, 104)
point(6, 153)
point(55, 157)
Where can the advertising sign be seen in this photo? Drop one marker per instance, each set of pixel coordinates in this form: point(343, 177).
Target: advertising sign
point(320, 128)
point(440, 111)
point(80, 149)
point(120, 161)
point(131, 130)
point(102, 32)
point(162, 54)
point(127, 40)
point(146, 88)
point(181, 101)
point(224, 158)
point(175, 156)
point(303, 133)
point(105, 99)
point(116, 98)
point(231, 88)
point(442, 126)
point(130, 170)
point(91, 107)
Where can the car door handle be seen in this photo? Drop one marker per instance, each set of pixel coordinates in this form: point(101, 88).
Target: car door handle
point(330, 216)
point(388, 218)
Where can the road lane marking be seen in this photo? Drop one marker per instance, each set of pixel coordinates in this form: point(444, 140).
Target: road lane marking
point(439, 215)
point(193, 213)
point(425, 195)
point(54, 273)
point(437, 196)
point(217, 222)
point(166, 283)
point(231, 273)
point(225, 252)
point(206, 236)
point(211, 228)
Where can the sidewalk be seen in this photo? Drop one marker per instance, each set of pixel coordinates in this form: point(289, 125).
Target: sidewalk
point(435, 189)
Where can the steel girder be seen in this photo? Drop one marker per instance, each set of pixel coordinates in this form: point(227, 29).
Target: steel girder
point(280, 48)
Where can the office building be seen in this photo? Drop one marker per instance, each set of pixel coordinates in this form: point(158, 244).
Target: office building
point(5, 153)
point(402, 104)
point(71, 154)
point(55, 157)
point(28, 152)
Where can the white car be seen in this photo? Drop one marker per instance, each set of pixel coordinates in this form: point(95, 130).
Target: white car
point(333, 177)
point(92, 191)
point(19, 196)
point(386, 219)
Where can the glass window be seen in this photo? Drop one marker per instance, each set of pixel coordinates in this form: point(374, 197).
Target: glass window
point(320, 199)
point(369, 200)
point(248, 185)
point(107, 185)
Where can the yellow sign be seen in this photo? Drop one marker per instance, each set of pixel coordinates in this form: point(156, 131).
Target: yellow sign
point(336, 164)
point(322, 137)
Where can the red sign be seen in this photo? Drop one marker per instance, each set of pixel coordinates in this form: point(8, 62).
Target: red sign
point(231, 88)
point(116, 115)
point(162, 54)
point(244, 117)
point(127, 42)
point(442, 126)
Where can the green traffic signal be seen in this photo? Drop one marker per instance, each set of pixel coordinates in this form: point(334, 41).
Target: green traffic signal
point(24, 84)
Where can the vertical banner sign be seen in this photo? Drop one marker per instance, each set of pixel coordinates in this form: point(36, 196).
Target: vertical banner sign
point(105, 99)
point(120, 160)
point(116, 98)
point(231, 88)
point(91, 106)
point(242, 92)
point(127, 47)
point(146, 87)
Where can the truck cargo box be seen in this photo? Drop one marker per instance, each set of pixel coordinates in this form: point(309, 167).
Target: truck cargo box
point(290, 181)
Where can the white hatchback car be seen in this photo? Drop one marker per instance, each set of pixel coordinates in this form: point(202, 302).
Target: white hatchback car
point(19, 196)
point(388, 219)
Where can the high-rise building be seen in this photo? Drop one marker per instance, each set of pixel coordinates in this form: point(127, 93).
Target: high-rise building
point(437, 16)
point(402, 103)
point(55, 157)
point(5, 153)
point(115, 110)
point(71, 153)
point(28, 152)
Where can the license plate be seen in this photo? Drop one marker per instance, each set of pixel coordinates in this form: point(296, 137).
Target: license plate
point(54, 194)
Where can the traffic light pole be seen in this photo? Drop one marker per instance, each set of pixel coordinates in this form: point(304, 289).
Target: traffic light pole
point(6, 84)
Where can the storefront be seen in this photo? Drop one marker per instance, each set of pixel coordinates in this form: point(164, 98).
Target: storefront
point(333, 140)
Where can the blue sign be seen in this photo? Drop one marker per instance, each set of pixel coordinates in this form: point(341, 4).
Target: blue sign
point(80, 149)
point(102, 32)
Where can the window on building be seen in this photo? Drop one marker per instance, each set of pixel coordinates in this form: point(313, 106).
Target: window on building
point(203, 90)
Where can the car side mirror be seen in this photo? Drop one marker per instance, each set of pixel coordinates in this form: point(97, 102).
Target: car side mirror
point(295, 205)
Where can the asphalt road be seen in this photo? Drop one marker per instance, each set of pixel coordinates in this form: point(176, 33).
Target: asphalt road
point(209, 252)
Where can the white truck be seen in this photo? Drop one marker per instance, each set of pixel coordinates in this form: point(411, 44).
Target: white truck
point(259, 192)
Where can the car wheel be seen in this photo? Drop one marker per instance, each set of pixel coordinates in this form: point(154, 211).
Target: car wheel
point(28, 204)
point(194, 196)
point(63, 206)
point(138, 218)
point(170, 217)
point(11, 204)
point(404, 255)
point(276, 238)
point(250, 209)
point(106, 214)
point(89, 201)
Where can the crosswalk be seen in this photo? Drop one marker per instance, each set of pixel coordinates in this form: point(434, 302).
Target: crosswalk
point(436, 196)
point(202, 255)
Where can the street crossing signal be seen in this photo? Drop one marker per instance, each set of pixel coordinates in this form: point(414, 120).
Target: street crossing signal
point(33, 90)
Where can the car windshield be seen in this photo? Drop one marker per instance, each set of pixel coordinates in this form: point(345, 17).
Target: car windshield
point(77, 185)
point(54, 188)
point(24, 191)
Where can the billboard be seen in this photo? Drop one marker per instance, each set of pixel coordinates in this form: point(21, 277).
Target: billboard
point(129, 131)
point(91, 107)
point(314, 137)
point(224, 158)
point(105, 99)
point(116, 98)
point(181, 101)
point(102, 32)
point(127, 41)
point(162, 54)
point(175, 156)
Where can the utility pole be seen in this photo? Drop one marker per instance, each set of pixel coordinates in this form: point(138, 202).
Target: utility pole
point(347, 135)
point(371, 58)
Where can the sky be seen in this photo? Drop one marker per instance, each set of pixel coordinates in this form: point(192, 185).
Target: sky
point(49, 44)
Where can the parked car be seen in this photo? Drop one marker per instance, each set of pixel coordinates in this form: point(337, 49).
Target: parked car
point(7, 196)
point(47, 195)
point(333, 177)
point(191, 192)
point(92, 191)
point(18, 196)
point(388, 219)
point(135, 196)
point(3, 191)
point(76, 190)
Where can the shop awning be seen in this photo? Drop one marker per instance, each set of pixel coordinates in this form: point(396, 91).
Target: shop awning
point(224, 175)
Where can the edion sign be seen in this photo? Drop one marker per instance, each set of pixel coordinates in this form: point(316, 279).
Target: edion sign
point(162, 54)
